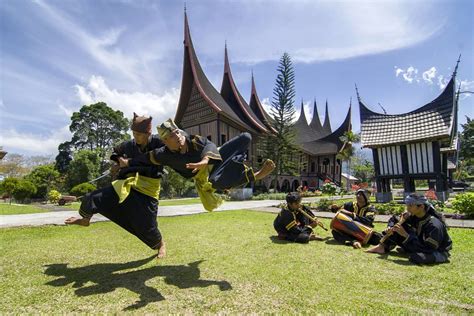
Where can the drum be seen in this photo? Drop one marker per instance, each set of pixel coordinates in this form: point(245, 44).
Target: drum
point(345, 224)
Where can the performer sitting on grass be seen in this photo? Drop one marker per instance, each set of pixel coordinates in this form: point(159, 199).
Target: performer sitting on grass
point(292, 225)
point(194, 156)
point(131, 201)
point(422, 235)
point(360, 211)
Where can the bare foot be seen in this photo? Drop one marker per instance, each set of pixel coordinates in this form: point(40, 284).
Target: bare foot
point(161, 250)
point(380, 249)
point(267, 168)
point(356, 245)
point(82, 221)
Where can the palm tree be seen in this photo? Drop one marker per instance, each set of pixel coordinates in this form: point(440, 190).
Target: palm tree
point(347, 151)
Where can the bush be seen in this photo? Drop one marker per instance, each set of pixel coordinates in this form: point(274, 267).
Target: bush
point(54, 196)
point(24, 190)
point(329, 188)
point(464, 203)
point(324, 205)
point(270, 196)
point(390, 208)
point(82, 189)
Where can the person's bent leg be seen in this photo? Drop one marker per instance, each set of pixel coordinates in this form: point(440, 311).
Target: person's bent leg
point(428, 258)
point(236, 146)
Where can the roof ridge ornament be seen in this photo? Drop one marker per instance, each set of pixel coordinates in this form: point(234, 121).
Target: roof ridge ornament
point(457, 64)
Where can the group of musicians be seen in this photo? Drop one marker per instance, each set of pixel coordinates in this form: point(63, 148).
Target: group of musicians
point(420, 232)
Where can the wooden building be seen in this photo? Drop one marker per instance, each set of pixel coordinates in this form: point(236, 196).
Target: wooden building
point(220, 116)
point(413, 146)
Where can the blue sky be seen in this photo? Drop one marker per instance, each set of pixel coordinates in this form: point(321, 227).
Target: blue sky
point(59, 55)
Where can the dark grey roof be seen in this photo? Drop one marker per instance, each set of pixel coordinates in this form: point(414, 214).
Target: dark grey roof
point(234, 99)
point(327, 124)
point(330, 144)
point(258, 109)
point(193, 74)
point(304, 133)
point(316, 123)
point(434, 120)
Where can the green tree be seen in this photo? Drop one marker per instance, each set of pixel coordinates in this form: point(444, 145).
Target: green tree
point(467, 140)
point(95, 127)
point(362, 167)
point(347, 151)
point(24, 190)
point(13, 165)
point(43, 177)
point(281, 148)
point(8, 185)
point(84, 167)
point(174, 185)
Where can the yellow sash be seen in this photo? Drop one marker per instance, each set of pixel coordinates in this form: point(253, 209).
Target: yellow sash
point(209, 199)
point(142, 184)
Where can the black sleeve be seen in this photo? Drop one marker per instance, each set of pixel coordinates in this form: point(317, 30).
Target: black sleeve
point(208, 148)
point(429, 240)
point(154, 157)
point(118, 151)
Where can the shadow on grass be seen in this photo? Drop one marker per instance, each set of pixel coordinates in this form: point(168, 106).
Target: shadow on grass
point(106, 280)
point(276, 240)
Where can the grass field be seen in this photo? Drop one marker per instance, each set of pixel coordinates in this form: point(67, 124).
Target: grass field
point(223, 262)
point(11, 209)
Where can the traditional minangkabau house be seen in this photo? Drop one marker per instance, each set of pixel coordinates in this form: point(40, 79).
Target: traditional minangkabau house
point(221, 116)
point(413, 146)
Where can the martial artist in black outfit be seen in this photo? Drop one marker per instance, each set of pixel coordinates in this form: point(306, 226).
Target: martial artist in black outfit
point(423, 235)
point(194, 156)
point(291, 224)
point(360, 211)
point(137, 213)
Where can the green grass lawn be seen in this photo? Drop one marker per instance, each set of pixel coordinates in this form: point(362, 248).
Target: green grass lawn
point(223, 262)
point(10, 209)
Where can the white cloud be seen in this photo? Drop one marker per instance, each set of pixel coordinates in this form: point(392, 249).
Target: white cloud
point(410, 74)
point(28, 143)
point(466, 85)
point(429, 75)
point(398, 71)
point(160, 107)
point(442, 82)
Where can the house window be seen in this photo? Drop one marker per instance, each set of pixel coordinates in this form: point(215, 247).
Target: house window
point(223, 139)
point(312, 166)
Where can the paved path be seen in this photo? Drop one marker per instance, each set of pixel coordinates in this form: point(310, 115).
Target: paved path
point(58, 217)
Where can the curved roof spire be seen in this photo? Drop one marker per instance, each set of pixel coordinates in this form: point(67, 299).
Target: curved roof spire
point(315, 122)
point(327, 123)
point(194, 81)
point(232, 96)
point(258, 109)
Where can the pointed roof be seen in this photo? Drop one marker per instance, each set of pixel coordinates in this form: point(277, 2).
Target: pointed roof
point(327, 123)
point(232, 96)
point(330, 144)
point(304, 133)
point(193, 76)
point(315, 122)
point(433, 121)
point(258, 109)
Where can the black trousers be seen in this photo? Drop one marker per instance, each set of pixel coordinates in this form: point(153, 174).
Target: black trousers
point(231, 172)
point(415, 257)
point(137, 214)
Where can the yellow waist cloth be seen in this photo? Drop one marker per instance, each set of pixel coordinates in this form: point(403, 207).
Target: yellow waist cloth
point(142, 184)
point(209, 199)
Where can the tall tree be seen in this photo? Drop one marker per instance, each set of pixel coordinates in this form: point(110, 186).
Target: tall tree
point(84, 167)
point(95, 127)
point(282, 148)
point(44, 178)
point(13, 165)
point(347, 151)
point(467, 140)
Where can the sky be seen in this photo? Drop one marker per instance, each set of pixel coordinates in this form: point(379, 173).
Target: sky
point(57, 56)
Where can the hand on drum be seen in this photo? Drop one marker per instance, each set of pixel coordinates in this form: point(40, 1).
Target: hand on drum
point(356, 245)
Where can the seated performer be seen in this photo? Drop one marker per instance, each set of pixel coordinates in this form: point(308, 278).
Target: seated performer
point(194, 156)
point(292, 225)
point(131, 201)
point(422, 234)
point(360, 211)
